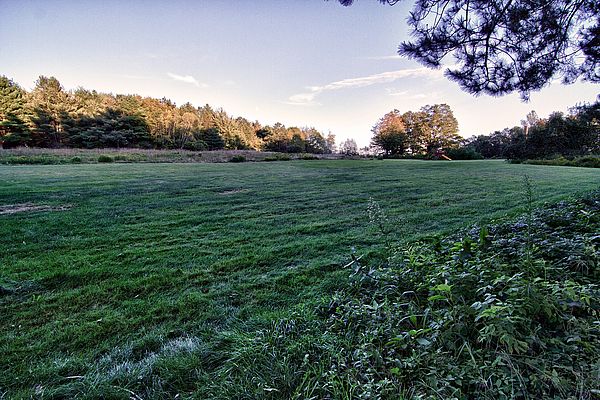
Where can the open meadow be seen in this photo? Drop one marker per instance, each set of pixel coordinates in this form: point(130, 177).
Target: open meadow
point(125, 280)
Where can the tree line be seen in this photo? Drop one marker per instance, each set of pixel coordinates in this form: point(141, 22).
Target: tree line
point(50, 116)
point(576, 133)
point(433, 130)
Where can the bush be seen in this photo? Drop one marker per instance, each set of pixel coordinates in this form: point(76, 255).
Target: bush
point(585, 161)
point(76, 160)
point(464, 153)
point(105, 159)
point(589, 161)
point(196, 145)
point(237, 158)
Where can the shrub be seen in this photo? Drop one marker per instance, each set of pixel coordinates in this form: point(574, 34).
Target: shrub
point(105, 159)
point(237, 158)
point(196, 145)
point(585, 161)
point(464, 153)
point(76, 160)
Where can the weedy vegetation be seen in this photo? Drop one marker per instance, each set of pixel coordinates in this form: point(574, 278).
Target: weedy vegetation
point(47, 156)
point(306, 279)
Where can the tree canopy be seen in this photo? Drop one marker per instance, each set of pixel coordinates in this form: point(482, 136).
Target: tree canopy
point(574, 134)
point(389, 134)
point(505, 46)
point(431, 128)
point(50, 116)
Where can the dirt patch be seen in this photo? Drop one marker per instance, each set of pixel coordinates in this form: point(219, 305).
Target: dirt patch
point(234, 191)
point(30, 207)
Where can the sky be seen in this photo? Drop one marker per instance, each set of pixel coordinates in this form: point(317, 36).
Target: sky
point(299, 62)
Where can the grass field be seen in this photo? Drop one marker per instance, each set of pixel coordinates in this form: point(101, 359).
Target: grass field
point(107, 272)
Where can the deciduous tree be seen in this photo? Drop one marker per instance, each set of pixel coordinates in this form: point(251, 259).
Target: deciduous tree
point(349, 147)
point(389, 134)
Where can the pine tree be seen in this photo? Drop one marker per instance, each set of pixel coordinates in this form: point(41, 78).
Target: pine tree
point(50, 110)
point(13, 129)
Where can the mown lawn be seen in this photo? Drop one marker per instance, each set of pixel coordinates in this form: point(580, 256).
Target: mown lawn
point(127, 265)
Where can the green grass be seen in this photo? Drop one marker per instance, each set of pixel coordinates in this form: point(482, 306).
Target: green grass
point(148, 276)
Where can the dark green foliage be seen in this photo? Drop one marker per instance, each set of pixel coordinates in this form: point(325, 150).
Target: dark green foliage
point(296, 144)
point(13, 129)
point(105, 159)
point(238, 159)
point(113, 128)
point(212, 138)
point(196, 145)
point(575, 134)
point(586, 161)
point(463, 153)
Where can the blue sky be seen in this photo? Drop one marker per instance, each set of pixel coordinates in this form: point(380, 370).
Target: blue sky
point(300, 62)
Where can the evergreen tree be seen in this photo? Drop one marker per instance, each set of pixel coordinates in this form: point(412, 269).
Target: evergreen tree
point(13, 129)
point(212, 138)
point(49, 106)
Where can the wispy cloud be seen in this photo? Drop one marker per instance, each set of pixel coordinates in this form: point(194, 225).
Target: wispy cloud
point(308, 98)
point(303, 99)
point(394, 57)
point(407, 95)
point(186, 79)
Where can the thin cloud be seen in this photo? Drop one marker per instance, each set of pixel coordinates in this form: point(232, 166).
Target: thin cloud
point(394, 57)
point(308, 98)
point(303, 99)
point(407, 95)
point(186, 79)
